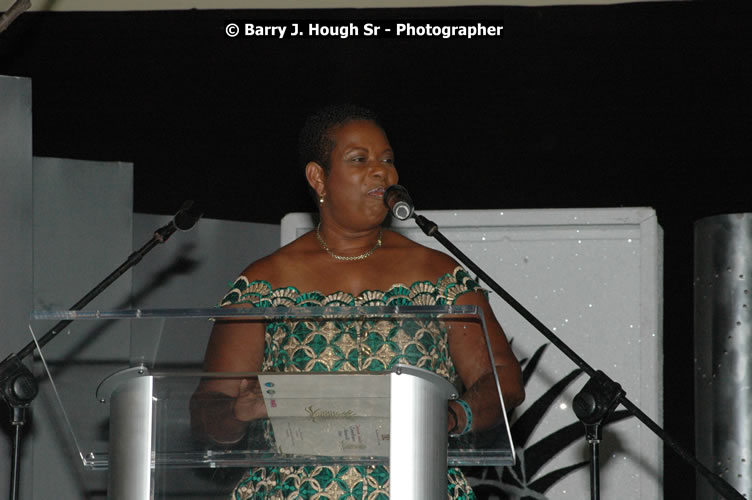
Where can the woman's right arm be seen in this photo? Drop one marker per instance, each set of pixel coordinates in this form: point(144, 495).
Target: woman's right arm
point(222, 407)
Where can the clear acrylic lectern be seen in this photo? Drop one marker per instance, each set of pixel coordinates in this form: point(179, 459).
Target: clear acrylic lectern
point(134, 394)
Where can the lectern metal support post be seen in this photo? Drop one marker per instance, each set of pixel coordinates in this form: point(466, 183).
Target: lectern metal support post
point(132, 436)
point(418, 435)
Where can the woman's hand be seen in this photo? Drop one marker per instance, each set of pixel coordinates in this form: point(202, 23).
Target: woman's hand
point(249, 403)
point(221, 407)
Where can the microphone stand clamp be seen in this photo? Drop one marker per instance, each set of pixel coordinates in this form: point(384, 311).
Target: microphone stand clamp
point(593, 405)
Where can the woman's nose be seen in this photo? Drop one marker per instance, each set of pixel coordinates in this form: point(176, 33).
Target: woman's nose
point(380, 169)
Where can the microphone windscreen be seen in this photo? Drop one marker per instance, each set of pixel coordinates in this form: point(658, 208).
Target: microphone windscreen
point(187, 216)
point(398, 202)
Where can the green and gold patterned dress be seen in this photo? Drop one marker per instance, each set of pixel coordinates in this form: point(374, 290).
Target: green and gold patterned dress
point(333, 346)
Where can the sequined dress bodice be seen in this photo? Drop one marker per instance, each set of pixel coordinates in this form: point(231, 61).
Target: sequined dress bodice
point(348, 345)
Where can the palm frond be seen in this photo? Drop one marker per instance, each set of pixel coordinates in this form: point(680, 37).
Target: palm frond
point(526, 423)
point(544, 483)
point(540, 453)
point(530, 365)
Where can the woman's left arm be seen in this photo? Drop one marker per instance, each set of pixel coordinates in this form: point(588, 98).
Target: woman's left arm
point(467, 346)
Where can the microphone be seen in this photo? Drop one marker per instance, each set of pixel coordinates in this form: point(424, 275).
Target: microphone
point(187, 216)
point(185, 219)
point(398, 202)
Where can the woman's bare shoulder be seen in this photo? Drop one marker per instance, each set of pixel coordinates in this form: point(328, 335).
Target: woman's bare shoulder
point(277, 267)
point(424, 261)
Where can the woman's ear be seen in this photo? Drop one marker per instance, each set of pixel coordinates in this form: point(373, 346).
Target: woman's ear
point(316, 177)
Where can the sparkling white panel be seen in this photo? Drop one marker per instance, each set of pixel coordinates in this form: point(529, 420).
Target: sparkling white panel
point(593, 276)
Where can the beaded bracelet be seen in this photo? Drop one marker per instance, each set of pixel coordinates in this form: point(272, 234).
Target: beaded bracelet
point(468, 418)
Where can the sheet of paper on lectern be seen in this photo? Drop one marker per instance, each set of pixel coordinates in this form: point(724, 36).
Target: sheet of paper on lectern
point(328, 414)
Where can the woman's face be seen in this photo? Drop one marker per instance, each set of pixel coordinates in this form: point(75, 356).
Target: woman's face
point(361, 168)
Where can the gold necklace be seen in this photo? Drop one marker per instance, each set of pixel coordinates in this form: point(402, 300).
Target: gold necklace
point(341, 257)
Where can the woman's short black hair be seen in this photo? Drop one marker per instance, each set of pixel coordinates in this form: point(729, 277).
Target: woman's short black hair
point(316, 142)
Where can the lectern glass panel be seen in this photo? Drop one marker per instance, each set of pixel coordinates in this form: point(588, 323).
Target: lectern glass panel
point(328, 400)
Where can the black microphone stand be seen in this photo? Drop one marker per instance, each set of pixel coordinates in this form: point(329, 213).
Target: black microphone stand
point(17, 384)
point(600, 395)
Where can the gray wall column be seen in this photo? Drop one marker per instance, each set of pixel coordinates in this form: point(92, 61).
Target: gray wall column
point(83, 220)
point(723, 350)
point(15, 247)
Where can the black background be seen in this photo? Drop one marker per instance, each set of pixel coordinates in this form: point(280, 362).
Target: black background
point(629, 105)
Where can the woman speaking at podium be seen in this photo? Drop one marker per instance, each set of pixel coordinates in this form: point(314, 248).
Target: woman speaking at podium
point(350, 260)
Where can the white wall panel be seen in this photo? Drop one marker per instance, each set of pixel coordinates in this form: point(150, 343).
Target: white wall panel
point(593, 276)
